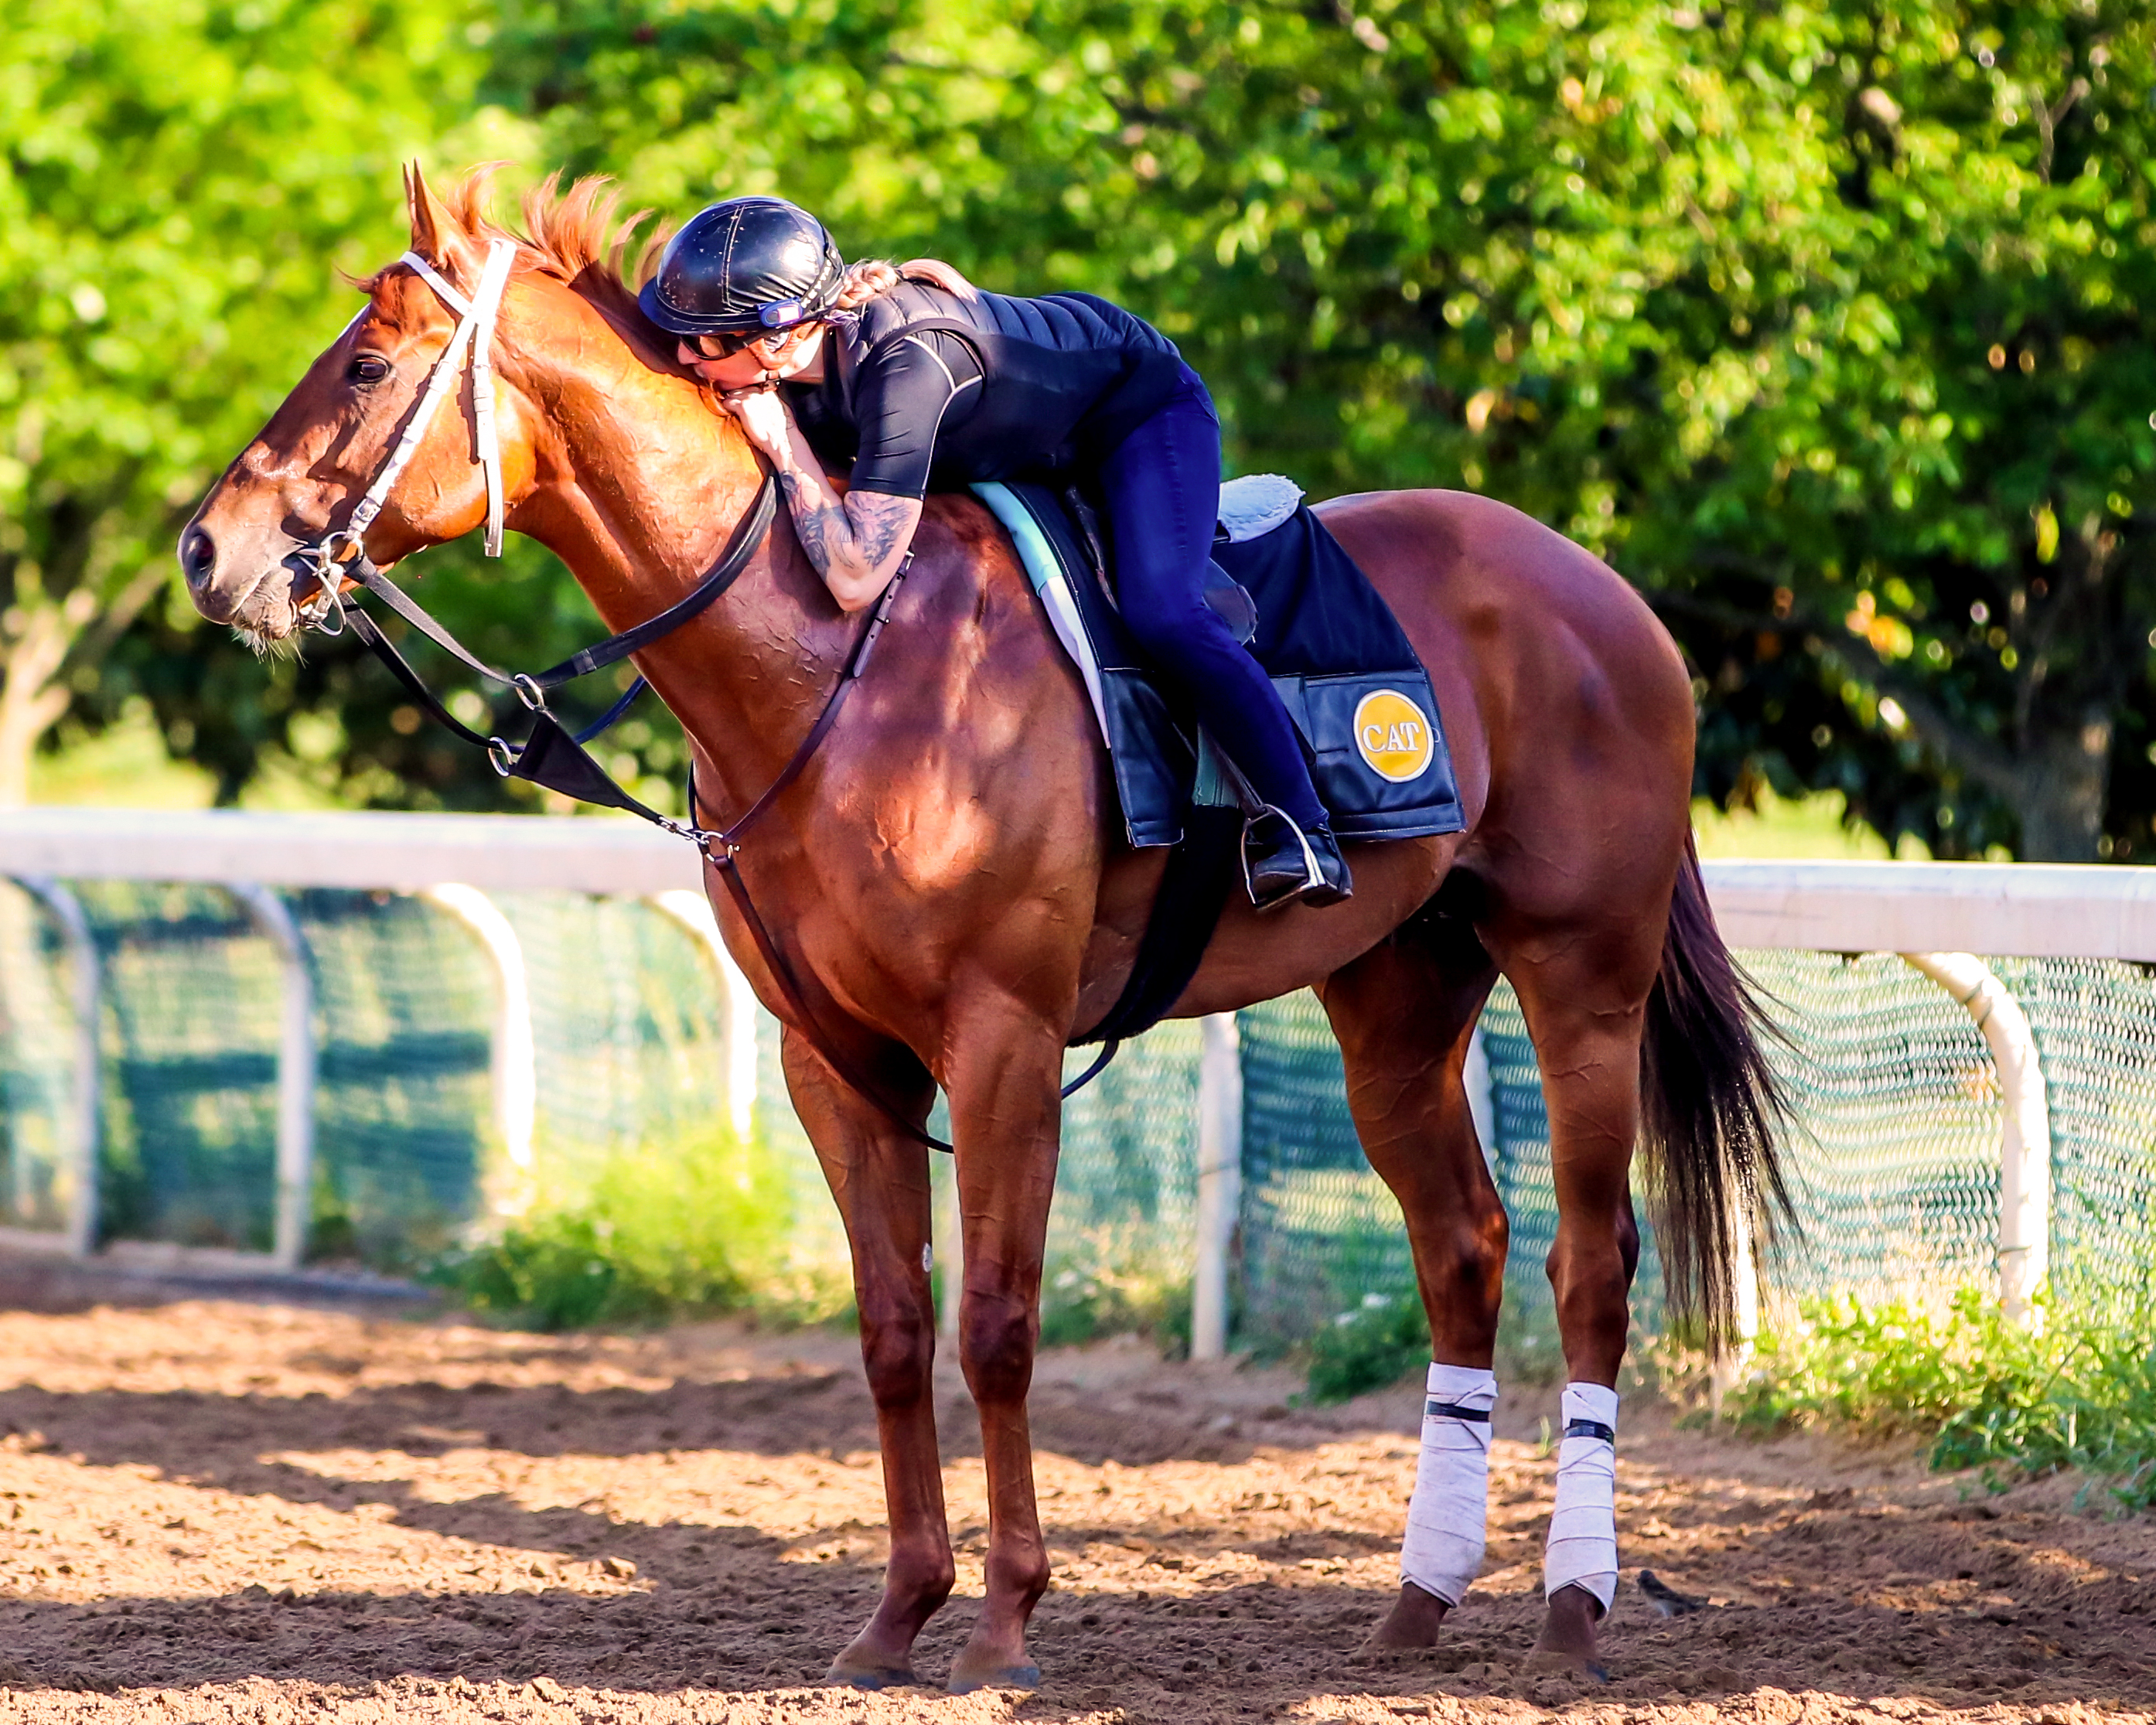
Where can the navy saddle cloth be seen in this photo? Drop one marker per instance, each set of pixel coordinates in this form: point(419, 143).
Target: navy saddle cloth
point(1346, 672)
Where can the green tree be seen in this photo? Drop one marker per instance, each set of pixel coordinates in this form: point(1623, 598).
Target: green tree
point(179, 184)
point(1821, 322)
point(1908, 559)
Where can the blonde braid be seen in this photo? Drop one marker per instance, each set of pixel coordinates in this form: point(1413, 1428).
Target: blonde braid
point(865, 281)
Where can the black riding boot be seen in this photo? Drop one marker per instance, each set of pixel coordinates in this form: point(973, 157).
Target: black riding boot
point(1283, 864)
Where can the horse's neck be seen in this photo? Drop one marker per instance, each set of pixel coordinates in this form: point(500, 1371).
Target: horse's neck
point(640, 485)
point(643, 485)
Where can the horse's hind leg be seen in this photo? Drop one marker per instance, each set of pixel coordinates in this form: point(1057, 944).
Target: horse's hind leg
point(1405, 1013)
point(1583, 981)
point(880, 1177)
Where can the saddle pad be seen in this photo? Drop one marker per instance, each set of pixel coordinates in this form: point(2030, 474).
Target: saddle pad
point(1344, 667)
point(1154, 767)
point(1350, 680)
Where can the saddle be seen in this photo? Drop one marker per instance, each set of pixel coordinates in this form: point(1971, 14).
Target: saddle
point(1350, 680)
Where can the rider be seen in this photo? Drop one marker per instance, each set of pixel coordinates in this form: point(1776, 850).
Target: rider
point(915, 377)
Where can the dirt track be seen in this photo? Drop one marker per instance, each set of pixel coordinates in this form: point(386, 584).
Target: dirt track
point(223, 1509)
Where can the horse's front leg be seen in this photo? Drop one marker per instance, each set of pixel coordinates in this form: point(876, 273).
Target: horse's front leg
point(1005, 1118)
point(880, 1177)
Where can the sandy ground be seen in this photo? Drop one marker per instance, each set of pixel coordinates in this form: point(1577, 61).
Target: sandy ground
point(230, 1508)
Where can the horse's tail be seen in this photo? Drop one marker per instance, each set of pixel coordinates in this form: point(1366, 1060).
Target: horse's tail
point(1711, 1112)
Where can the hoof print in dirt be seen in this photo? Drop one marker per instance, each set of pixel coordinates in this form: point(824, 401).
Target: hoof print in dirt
point(1665, 1599)
point(1544, 1663)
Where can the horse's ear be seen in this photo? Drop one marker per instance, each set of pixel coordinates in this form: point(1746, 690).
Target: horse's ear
point(436, 235)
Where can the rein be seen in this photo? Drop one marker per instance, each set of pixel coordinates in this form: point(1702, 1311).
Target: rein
point(550, 755)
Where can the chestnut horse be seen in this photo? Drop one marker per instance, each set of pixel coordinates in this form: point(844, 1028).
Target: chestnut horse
point(948, 880)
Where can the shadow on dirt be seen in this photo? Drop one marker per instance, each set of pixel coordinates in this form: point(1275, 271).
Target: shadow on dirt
point(731, 1608)
point(768, 1414)
point(769, 1626)
point(1203, 1598)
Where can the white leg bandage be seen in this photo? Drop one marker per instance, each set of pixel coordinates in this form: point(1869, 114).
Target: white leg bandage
point(1582, 1535)
point(1448, 1514)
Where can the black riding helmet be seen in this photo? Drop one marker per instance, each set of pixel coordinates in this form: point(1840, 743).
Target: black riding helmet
point(744, 267)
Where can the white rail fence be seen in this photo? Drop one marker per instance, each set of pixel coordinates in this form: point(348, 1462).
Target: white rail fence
point(1937, 915)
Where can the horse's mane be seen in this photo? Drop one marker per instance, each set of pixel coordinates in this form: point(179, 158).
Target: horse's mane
point(579, 237)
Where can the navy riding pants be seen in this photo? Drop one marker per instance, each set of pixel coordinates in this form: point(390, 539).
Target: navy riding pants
point(1162, 485)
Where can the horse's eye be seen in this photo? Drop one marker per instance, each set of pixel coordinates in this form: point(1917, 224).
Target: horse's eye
point(368, 370)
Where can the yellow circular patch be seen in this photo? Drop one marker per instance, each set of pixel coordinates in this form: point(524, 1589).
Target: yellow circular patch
point(1395, 734)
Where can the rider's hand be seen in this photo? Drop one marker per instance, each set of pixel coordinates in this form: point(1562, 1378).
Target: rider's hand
point(763, 415)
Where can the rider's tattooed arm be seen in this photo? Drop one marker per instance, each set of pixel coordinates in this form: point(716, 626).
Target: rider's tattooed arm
point(856, 542)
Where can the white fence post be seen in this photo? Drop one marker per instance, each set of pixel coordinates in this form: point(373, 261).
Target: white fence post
point(1481, 1097)
point(1728, 1365)
point(2025, 1126)
point(948, 1237)
point(1746, 1272)
point(515, 1061)
point(1219, 1180)
point(83, 1133)
point(692, 911)
point(295, 1072)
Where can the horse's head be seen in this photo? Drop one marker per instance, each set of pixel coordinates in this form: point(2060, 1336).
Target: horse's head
point(246, 555)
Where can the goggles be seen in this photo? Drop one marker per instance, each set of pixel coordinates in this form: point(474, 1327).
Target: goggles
point(776, 319)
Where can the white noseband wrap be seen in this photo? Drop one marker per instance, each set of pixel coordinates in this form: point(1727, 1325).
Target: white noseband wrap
point(1582, 1533)
point(474, 334)
point(1449, 1515)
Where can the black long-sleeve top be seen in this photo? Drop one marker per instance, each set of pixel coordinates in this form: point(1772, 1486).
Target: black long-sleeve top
point(922, 387)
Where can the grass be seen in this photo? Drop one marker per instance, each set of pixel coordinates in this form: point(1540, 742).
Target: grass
point(1810, 826)
point(2077, 1390)
point(1386, 1339)
point(699, 1228)
point(1108, 1280)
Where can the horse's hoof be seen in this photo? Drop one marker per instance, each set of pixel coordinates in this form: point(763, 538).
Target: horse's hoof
point(868, 1676)
point(1412, 1624)
point(1009, 1677)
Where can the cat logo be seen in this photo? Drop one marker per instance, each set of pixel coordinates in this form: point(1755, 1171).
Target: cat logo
point(1396, 738)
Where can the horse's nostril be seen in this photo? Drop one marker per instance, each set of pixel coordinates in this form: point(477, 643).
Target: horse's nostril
point(198, 557)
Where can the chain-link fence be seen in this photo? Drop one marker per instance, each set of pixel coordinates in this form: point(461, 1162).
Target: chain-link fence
point(1895, 1158)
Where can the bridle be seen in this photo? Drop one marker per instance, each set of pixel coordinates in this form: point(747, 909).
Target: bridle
point(551, 756)
point(325, 557)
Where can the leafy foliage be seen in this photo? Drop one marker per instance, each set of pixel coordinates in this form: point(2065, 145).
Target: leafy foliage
point(1369, 1347)
point(1386, 1339)
point(1103, 1287)
point(179, 183)
point(1823, 322)
point(695, 1227)
point(2077, 1392)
